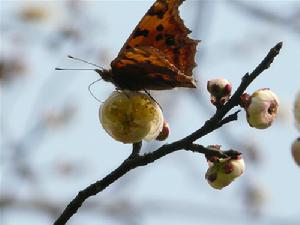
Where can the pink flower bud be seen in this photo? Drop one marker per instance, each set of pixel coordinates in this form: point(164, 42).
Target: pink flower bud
point(222, 172)
point(296, 151)
point(164, 134)
point(220, 90)
point(262, 108)
point(245, 100)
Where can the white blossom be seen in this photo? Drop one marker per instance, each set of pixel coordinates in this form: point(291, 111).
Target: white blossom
point(130, 117)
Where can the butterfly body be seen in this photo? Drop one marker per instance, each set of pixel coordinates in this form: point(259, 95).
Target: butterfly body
point(158, 55)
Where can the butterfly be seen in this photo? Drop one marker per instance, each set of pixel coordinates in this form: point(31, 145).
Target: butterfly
point(158, 55)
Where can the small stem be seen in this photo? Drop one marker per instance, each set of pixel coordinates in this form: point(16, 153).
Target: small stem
point(136, 148)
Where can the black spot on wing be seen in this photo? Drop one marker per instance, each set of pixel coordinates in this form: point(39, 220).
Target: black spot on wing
point(169, 40)
point(158, 37)
point(140, 32)
point(160, 27)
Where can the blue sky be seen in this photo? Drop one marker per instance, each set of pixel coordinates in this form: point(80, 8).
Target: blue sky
point(172, 190)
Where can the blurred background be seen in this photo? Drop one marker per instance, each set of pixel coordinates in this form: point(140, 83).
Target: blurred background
point(52, 144)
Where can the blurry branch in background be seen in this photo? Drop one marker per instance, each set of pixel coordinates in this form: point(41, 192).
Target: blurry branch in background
point(18, 150)
point(11, 67)
point(291, 21)
point(124, 209)
point(24, 35)
point(135, 160)
point(23, 147)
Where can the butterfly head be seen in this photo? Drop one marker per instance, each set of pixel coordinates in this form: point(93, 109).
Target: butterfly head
point(105, 74)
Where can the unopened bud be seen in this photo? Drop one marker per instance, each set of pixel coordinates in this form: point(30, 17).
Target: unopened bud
point(220, 90)
point(296, 151)
point(164, 134)
point(222, 172)
point(262, 108)
point(245, 100)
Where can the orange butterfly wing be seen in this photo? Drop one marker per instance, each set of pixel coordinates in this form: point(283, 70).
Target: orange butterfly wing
point(159, 73)
point(163, 29)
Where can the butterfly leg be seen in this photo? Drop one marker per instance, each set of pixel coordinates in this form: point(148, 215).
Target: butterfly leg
point(89, 88)
point(148, 93)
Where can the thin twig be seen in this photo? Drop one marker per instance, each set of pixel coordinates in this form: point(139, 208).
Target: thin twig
point(186, 143)
point(258, 12)
point(230, 118)
point(206, 151)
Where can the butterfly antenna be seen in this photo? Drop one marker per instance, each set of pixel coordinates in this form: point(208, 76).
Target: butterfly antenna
point(84, 61)
point(58, 68)
point(89, 87)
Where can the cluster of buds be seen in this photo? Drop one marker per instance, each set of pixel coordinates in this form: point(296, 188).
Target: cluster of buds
point(261, 108)
point(220, 91)
point(221, 172)
point(131, 117)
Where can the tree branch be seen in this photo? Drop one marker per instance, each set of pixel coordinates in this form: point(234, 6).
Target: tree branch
point(258, 12)
point(135, 160)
